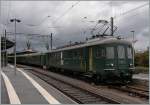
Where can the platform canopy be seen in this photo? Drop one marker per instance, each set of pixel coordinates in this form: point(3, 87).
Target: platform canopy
point(9, 43)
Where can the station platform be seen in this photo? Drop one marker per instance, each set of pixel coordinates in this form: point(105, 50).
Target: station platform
point(23, 87)
point(142, 79)
point(141, 76)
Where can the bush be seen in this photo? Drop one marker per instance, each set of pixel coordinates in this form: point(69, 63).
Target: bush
point(142, 59)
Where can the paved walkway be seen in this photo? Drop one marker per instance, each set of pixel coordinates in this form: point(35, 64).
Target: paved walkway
point(25, 88)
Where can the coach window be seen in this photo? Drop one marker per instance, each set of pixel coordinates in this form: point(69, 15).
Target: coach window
point(78, 54)
point(65, 55)
point(75, 54)
point(58, 55)
point(100, 53)
point(129, 51)
point(49, 54)
point(69, 54)
point(121, 52)
point(55, 55)
point(109, 52)
point(52, 55)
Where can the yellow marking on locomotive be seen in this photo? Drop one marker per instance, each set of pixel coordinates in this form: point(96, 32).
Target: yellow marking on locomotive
point(90, 59)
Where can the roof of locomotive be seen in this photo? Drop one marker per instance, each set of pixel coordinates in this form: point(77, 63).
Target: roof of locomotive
point(97, 42)
point(30, 54)
point(89, 43)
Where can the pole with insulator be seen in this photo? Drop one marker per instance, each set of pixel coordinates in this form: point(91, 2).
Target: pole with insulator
point(112, 22)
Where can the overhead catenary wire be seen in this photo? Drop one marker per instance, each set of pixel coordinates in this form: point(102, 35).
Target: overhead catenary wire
point(66, 12)
point(69, 10)
point(124, 13)
point(131, 10)
point(8, 13)
point(33, 25)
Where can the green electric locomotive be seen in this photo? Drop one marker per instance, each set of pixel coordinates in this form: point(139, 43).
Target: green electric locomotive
point(108, 59)
point(103, 59)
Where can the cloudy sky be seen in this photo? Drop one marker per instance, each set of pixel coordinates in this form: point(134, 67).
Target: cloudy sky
point(73, 21)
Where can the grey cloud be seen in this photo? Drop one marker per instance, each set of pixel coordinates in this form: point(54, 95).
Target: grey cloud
point(71, 26)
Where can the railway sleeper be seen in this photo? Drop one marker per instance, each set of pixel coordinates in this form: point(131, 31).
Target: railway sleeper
point(70, 89)
point(71, 92)
point(91, 101)
point(137, 88)
point(89, 98)
point(81, 95)
point(44, 74)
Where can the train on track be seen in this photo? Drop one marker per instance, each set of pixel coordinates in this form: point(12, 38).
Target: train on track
point(103, 59)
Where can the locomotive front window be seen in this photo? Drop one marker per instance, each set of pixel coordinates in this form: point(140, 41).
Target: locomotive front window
point(121, 52)
point(129, 50)
point(100, 53)
point(110, 52)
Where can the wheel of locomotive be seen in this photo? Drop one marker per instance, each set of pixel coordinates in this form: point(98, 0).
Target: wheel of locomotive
point(62, 70)
point(44, 67)
point(74, 73)
point(97, 79)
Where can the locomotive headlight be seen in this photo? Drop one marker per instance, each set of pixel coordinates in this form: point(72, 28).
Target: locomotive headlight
point(131, 64)
point(112, 64)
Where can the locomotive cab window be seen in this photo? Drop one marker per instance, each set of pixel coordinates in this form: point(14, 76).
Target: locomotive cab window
point(100, 52)
point(129, 52)
point(121, 52)
point(110, 52)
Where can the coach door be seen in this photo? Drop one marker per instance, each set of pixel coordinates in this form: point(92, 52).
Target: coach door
point(121, 57)
point(90, 59)
point(122, 62)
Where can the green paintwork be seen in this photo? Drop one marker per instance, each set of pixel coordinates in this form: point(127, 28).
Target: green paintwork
point(91, 59)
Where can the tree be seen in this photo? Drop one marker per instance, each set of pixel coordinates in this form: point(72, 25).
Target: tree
point(47, 46)
point(28, 44)
point(142, 59)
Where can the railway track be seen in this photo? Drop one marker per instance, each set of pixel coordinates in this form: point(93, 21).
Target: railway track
point(79, 95)
point(133, 91)
point(80, 91)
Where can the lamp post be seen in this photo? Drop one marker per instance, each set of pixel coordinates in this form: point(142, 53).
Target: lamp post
point(15, 20)
point(133, 45)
